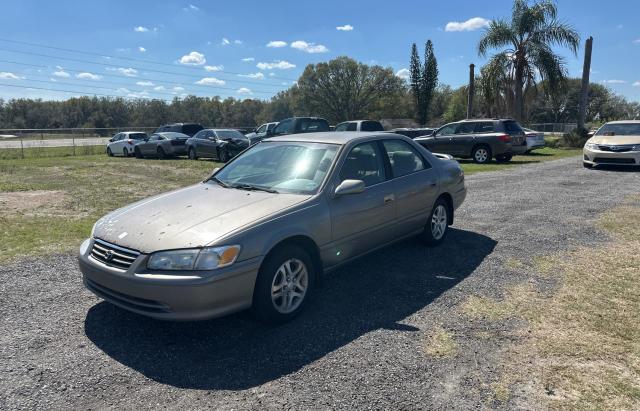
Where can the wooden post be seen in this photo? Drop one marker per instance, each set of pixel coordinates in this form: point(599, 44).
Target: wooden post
point(584, 91)
point(21, 148)
point(472, 79)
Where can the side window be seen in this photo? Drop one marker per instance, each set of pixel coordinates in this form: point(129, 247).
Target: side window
point(271, 126)
point(365, 163)
point(261, 129)
point(210, 135)
point(341, 127)
point(466, 128)
point(285, 127)
point(512, 127)
point(404, 158)
point(484, 127)
point(312, 126)
point(447, 130)
point(199, 134)
point(352, 126)
point(371, 126)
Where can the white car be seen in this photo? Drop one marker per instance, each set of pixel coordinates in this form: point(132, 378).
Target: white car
point(535, 139)
point(122, 144)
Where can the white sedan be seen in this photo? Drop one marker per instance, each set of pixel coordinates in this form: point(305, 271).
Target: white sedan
point(122, 144)
point(535, 139)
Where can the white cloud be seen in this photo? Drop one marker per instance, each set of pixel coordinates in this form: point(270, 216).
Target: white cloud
point(272, 74)
point(123, 90)
point(5, 75)
point(210, 81)
point(636, 84)
point(636, 41)
point(346, 27)
point(159, 88)
point(282, 65)
point(246, 59)
point(474, 23)
point(140, 29)
point(191, 7)
point(142, 94)
point(129, 72)
point(277, 44)
point(144, 83)
point(178, 88)
point(61, 73)
point(141, 49)
point(193, 59)
point(614, 81)
point(214, 68)
point(309, 47)
point(225, 41)
point(258, 75)
point(88, 76)
point(244, 90)
point(403, 73)
point(237, 41)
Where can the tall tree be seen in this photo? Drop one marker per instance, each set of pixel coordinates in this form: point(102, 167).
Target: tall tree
point(416, 78)
point(429, 80)
point(527, 43)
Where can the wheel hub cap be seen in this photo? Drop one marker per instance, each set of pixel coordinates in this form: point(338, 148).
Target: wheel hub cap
point(439, 222)
point(289, 286)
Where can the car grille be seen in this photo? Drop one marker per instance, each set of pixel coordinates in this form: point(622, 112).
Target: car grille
point(604, 160)
point(615, 149)
point(113, 255)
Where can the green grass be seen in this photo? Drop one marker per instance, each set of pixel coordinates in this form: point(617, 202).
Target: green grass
point(38, 152)
point(91, 186)
point(537, 156)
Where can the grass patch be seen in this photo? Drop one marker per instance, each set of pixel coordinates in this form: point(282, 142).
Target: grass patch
point(91, 186)
point(37, 152)
point(581, 349)
point(537, 156)
point(441, 344)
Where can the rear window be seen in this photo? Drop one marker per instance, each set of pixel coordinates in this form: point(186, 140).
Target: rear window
point(484, 127)
point(191, 129)
point(371, 126)
point(313, 125)
point(512, 127)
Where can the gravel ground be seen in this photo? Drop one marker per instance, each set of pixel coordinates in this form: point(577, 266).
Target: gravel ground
point(360, 344)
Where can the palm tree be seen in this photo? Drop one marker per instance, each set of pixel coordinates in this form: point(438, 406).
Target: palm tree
point(527, 42)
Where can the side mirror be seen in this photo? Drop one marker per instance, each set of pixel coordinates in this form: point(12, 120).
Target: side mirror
point(111, 140)
point(590, 134)
point(212, 173)
point(350, 187)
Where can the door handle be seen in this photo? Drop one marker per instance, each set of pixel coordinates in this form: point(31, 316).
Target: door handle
point(389, 198)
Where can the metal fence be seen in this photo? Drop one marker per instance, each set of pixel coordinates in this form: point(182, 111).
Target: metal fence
point(554, 128)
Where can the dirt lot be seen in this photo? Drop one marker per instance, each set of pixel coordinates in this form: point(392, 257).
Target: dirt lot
point(406, 327)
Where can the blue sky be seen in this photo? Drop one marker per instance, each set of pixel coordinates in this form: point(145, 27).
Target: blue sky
point(257, 48)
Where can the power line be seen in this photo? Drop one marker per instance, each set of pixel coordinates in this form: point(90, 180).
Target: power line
point(119, 57)
point(137, 78)
point(119, 66)
point(71, 91)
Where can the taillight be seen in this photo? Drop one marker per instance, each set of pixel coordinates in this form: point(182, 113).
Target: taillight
point(505, 138)
point(130, 141)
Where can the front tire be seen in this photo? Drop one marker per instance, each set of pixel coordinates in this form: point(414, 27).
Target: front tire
point(137, 153)
point(125, 152)
point(437, 226)
point(161, 154)
point(481, 155)
point(284, 284)
point(223, 156)
point(109, 152)
point(192, 154)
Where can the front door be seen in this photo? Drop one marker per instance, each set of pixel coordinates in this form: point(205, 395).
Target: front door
point(363, 221)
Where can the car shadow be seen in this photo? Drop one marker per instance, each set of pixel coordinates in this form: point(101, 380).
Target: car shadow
point(236, 352)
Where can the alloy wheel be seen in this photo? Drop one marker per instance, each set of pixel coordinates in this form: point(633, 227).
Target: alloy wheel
point(439, 222)
point(289, 286)
point(481, 155)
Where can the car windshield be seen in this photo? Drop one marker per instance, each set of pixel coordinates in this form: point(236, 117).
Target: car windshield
point(628, 129)
point(289, 167)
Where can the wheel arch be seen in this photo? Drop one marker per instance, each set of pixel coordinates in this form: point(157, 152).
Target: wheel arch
point(306, 243)
point(449, 200)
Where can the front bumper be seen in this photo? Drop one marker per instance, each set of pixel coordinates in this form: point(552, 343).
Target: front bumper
point(598, 157)
point(197, 295)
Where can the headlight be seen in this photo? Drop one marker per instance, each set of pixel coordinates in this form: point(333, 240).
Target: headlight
point(208, 258)
point(591, 146)
point(84, 246)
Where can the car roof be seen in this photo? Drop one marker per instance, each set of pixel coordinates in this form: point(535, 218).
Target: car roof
point(331, 137)
point(220, 129)
point(133, 132)
point(624, 122)
point(171, 134)
point(484, 119)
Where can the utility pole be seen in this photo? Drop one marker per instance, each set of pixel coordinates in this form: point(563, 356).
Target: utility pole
point(472, 79)
point(584, 91)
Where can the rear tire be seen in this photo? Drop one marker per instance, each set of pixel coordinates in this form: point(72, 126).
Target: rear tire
point(284, 285)
point(125, 152)
point(109, 152)
point(437, 227)
point(161, 154)
point(192, 154)
point(223, 156)
point(481, 154)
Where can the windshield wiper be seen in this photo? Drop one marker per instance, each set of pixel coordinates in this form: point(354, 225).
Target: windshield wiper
point(220, 182)
point(250, 187)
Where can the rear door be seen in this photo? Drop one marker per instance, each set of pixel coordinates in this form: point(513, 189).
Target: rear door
point(415, 184)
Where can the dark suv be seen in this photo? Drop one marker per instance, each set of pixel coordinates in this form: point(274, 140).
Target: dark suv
point(479, 140)
point(297, 125)
point(189, 129)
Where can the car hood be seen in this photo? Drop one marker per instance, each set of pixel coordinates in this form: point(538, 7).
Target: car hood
point(615, 140)
point(191, 217)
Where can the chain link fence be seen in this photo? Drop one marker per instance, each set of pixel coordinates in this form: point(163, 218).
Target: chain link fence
point(554, 128)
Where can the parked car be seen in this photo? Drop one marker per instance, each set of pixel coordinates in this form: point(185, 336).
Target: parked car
point(122, 144)
point(260, 232)
point(162, 145)
point(189, 129)
point(360, 125)
point(535, 139)
point(479, 140)
point(297, 125)
point(219, 144)
point(616, 142)
point(413, 132)
point(261, 132)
